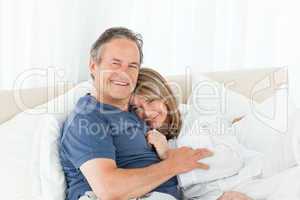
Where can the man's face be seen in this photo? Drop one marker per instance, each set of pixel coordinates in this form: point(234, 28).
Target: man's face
point(117, 71)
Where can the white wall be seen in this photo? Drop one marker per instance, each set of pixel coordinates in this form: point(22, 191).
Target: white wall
point(201, 35)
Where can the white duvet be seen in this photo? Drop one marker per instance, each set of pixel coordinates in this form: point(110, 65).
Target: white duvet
point(232, 168)
point(230, 165)
point(282, 186)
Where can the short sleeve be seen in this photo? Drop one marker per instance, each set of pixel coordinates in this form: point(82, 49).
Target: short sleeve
point(87, 137)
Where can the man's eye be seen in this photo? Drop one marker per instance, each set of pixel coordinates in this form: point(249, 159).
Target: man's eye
point(116, 63)
point(133, 66)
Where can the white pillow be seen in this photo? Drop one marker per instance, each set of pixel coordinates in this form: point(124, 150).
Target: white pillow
point(48, 177)
point(211, 98)
point(61, 106)
point(269, 138)
point(49, 182)
point(16, 144)
point(295, 132)
point(252, 133)
point(22, 171)
point(183, 109)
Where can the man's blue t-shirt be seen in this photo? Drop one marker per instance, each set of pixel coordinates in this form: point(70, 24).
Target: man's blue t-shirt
point(97, 130)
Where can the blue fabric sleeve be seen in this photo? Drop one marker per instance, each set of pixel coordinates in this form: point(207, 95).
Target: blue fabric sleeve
point(87, 137)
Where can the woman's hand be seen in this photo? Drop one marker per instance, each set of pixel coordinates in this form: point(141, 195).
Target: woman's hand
point(160, 143)
point(237, 119)
point(232, 195)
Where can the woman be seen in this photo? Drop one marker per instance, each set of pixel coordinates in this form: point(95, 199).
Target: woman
point(154, 102)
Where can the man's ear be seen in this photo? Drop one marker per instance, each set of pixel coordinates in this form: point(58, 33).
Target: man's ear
point(92, 66)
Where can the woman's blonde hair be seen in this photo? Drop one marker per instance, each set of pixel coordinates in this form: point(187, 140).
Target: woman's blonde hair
point(152, 86)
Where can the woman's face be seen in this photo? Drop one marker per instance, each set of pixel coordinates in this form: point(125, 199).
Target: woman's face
point(153, 112)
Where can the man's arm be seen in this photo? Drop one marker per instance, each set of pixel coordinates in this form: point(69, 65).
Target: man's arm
point(111, 183)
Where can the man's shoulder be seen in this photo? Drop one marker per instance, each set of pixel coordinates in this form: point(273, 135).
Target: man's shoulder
point(79, 120)
point(76, 119)
point(85, 109)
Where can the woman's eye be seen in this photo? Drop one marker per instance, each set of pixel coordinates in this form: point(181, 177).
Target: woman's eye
point(149, 101)
point(153, 102)
point(134, 108)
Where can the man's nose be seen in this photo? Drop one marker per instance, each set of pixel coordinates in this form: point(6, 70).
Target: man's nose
point(122, 71)
point(124, 66)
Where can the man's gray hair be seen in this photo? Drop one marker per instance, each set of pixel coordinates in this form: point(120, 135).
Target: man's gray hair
point(115, 33)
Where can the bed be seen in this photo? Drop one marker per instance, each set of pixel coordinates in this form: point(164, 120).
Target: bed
point(21, 165)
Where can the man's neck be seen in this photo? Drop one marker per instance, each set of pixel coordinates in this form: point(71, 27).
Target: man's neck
point(122, 104)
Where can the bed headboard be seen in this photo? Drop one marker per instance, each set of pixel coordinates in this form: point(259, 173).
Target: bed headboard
point(244, 82)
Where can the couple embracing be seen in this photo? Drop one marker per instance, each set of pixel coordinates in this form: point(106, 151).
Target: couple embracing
point(114, 145)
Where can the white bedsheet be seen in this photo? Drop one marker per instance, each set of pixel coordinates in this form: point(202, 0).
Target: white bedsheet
point(282, 186)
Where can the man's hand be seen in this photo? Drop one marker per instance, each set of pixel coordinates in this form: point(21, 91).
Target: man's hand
point(185, 159)
point(231, 195)
point(160, 143)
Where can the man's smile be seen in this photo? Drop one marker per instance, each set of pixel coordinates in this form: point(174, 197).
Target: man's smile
point(120, 83)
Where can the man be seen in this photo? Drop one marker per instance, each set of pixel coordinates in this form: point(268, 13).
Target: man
point(103, 147)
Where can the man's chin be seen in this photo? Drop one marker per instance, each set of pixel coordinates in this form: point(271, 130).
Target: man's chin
point(120, 95)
